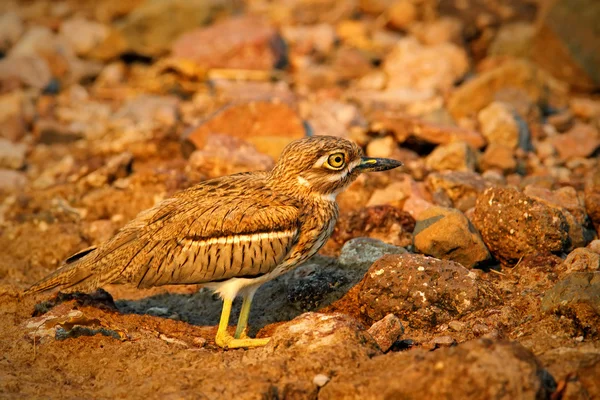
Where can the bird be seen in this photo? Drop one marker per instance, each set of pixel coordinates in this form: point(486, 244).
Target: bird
point(230, 234)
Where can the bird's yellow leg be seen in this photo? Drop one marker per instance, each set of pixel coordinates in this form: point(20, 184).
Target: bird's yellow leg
point(242, 325)
point(225, 340)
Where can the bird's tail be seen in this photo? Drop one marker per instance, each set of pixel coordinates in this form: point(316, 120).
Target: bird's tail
point(74, 271)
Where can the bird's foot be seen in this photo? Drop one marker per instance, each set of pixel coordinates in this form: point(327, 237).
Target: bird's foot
point(226, 341)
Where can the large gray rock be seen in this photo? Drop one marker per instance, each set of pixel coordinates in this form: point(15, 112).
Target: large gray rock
point(423, 291)
point(578, 287)
point(447, 234)
point(479, 369)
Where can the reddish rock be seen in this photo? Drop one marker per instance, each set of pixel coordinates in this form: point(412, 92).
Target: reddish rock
point(514, 225)
point(580, 141)
point(498, 157)
point(436, 67)
point(386, 331)
point(447, 234)
point(455, 156)
point(423, 291)
point(592, 197)
point(477, 369)
point(25, 70)
point(499, 125)
point(239, 43)
point(460, 188)
point(323, 339)
point(405, 127)
point(566, 42)
point(268, 126)
point(472, 96)
point(384, 222)
point(226, 155)
point(581, 260)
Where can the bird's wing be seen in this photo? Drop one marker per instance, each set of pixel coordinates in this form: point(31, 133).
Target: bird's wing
point(208, 233)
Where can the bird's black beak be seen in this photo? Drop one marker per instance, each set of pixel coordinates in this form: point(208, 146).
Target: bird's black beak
point(377, 164)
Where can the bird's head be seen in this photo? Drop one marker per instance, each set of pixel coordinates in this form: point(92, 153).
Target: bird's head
point(324, 165)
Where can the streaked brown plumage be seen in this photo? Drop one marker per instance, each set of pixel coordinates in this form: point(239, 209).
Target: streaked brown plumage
point(231, 233)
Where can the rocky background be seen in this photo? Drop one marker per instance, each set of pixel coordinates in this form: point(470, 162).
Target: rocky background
point(472, 273)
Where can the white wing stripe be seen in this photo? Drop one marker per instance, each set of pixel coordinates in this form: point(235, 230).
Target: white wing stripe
point(240, 238)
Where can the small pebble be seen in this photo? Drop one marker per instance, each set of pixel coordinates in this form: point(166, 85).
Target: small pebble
point(321, 380)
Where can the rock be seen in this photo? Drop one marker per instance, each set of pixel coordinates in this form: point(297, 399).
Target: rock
point(12, 155)
point(148, 112)
point(568, 203)
point(385, 223)
point(575, 288)
point(333, 118)
point(412, 65)
point(498, 157)
point(27, 70)
point(439, 341)
point(440, 30)
point(456, 156)
point(496, 369)
point(361, 252)
point(150, 28)
point(386, 331)
point(581, 260)
point(84, 35)
point(268, 126)
point(394, 195)
point(247, 43)
point(405, 127)
point(11, 29)
point(513, 40)
point(15, 108)
point(116, 167)
point(447, 234)
point(499, 125)
point(224, 155)
point(321, 380)
point(421, 290)
point(594, 246)
point(474, 95)
point(401, 14)
point(592, 197)
point(585, 108)
point(580, 141)
point(513, 225)
point(11, 181)
point(322, 340)
point(319, 38)
point(573, 56)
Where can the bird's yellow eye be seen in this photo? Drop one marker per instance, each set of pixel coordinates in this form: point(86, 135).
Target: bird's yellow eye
point(336, 161)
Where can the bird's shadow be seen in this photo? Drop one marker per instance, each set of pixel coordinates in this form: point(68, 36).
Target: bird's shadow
point(312, 286)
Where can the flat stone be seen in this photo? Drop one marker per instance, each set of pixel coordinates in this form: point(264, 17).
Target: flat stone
point(580, 141)
point(246, 42)
point(426, 293)
point(472, 96)
point(225, 155)
point(581, 260)
point(405, 127)
point(447, 234)
point(514, 225)
point(268, 126)
point(435, 67)
point(150, 28)
point(11, 181)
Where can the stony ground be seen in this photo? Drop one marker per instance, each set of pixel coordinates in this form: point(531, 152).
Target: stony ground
point(472, 273)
